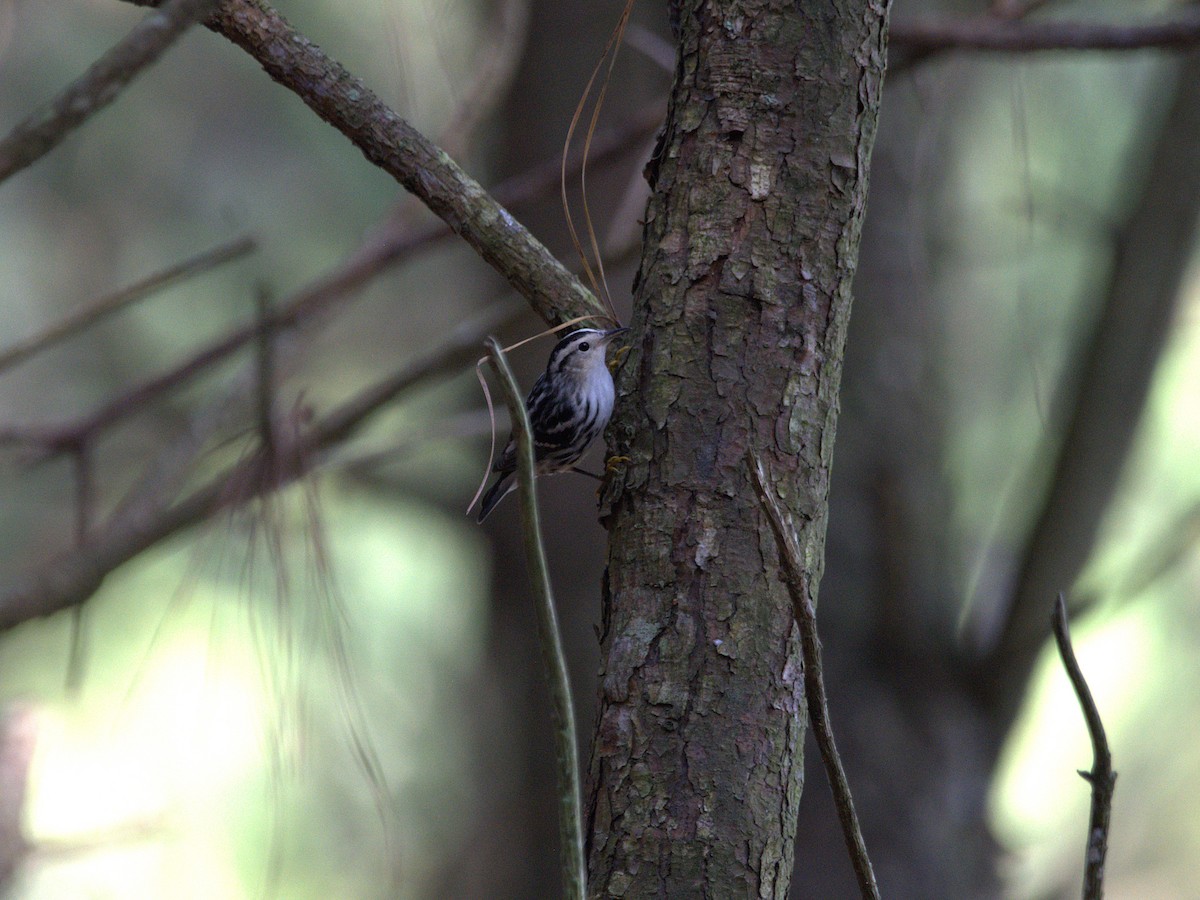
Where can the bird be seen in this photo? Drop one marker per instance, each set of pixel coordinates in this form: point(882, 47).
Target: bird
point(569, 405)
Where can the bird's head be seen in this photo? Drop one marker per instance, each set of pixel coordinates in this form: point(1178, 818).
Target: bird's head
point(581, 353)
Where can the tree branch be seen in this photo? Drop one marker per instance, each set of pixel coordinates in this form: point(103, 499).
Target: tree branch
point(392, 144)
point(72, 577)
point(570, 803)
point(1102, 778)
point(992, 33)
point(814, 681)
point(115, 302)
point(99, 85)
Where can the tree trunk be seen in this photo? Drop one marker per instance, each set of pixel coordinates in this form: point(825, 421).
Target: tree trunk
point(738, 332)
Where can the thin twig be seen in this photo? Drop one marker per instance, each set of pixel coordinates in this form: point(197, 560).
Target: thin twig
point(796, 579)
point(570, 804)
point(46, 128)
point(1102, 778)
point(990, 33)
point(125, 297)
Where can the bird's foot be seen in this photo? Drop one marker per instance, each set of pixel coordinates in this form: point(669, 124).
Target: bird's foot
point(618, 357)
point(611, 464)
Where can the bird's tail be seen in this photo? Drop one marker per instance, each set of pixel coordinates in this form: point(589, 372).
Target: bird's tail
point(500, 489)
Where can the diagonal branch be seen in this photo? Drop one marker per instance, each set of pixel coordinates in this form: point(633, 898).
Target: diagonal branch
point(99, 85)
point(113, 303)
point(394, 145)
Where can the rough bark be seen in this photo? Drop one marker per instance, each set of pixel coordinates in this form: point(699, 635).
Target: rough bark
point(738, 332)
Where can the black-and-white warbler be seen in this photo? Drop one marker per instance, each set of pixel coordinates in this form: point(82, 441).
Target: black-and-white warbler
point(569, 405)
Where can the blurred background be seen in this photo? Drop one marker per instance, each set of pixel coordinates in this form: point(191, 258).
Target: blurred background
point(336, 691)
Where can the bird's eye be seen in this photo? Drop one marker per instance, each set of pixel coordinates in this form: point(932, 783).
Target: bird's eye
point(584, 347)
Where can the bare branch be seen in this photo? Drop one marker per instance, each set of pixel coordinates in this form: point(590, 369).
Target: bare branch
point(115, 302)
point(72, 577)
point(100, 85)
point(1102, 778)
point(992, 33)
point(796, 579)
point(570, 802)
point(423, 168)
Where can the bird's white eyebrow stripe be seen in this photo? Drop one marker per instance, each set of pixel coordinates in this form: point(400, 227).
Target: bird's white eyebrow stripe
point(568, 342)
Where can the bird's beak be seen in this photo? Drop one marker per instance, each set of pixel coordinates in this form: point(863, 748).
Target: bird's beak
point(612, 333)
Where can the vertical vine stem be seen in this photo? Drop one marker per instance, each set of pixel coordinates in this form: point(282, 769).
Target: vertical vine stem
point(1102, 778)
point(814, 681)
point(570, 817)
